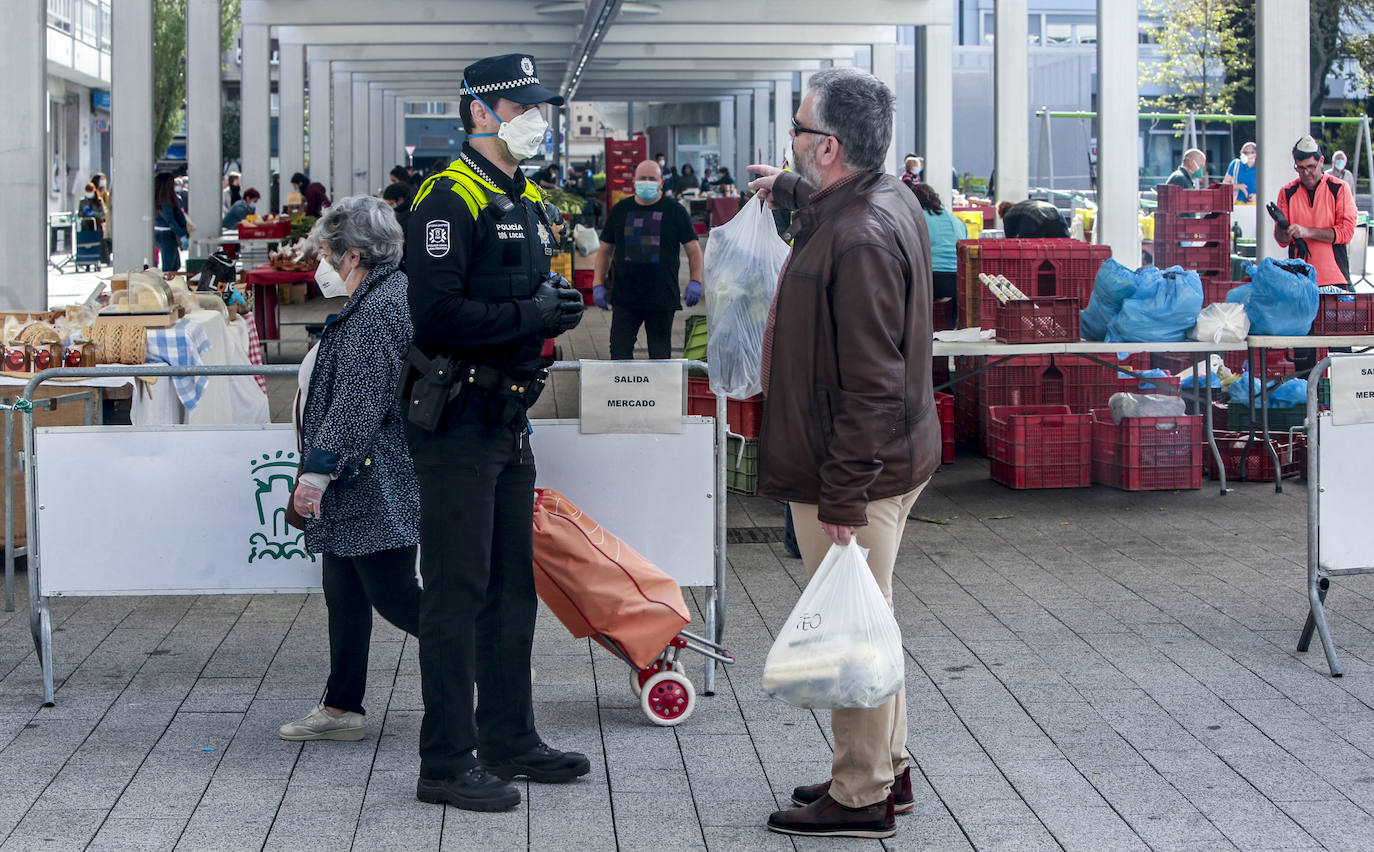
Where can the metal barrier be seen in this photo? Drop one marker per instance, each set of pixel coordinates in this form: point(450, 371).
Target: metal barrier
point(39, 612)
point(8, 406)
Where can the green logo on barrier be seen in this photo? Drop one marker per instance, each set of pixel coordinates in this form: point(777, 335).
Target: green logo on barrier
point(275, 478)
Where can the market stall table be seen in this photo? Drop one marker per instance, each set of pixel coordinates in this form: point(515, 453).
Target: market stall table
point(265, 308)
point(722, 210)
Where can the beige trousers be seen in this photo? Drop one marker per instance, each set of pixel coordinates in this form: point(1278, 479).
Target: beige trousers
point(870, 744)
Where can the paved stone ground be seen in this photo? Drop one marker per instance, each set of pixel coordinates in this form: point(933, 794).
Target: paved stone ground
point(1086, 670)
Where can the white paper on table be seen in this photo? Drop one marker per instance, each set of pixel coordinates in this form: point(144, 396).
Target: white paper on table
point(966, 335)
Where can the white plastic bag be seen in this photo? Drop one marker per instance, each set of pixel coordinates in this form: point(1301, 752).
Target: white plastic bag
point(744, 258)
point(1222, 322)
point(586, 240)
point(840, 647)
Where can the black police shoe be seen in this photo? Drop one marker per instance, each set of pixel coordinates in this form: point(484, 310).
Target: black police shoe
point(474, 790)
point(544, 764)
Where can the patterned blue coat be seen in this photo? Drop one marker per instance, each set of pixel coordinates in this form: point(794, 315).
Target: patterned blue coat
point(352, 427)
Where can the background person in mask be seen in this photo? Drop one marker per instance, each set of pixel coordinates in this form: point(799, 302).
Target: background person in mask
point(642, 236)
point(357, 489)
point(1192, 173)
point(1241, 172)
point(242, 209)
point(478, 249)
point(1339, 171)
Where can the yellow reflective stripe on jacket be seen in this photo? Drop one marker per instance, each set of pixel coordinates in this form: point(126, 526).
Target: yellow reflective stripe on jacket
point(470, 187)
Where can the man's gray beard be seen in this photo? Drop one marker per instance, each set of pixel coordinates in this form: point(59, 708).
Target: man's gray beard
point(806, 170)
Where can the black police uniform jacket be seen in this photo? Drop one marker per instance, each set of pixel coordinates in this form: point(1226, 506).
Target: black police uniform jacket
point(472, 274)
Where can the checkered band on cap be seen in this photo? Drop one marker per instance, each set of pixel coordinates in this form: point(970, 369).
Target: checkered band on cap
point(501, 87)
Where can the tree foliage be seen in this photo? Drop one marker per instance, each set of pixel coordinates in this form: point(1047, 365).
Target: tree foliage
point(169, 64)
point(1200, 51)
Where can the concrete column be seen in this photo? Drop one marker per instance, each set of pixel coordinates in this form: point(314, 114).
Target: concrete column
point(319, 136)
point(358, 165)
point(391, 154)
point(255, 120)
point(401, 156)
point(885, 69)
point(291, 113)
point(23, 160)
point(376, 165)
point(937, 110)
point(1118, 132)
point(205, 164)
point(782, 121)
point(761, 147)
point(1011, 91)
point(728, 147)
point(131, 163)
point(1281, 99)
point(342, 180)
point(744, 136)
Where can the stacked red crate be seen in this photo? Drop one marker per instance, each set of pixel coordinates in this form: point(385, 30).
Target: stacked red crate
point(1147, 453)
point(1038, 267)
point(1086, 384)
point(622, 158)
point(1256, 464)
point(744, 416)
point(1193, 230)
point(1039, 446)
point(944, 405)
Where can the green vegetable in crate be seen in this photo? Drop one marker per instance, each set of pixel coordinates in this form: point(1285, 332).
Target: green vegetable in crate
point(300, 227)
point(566, 202)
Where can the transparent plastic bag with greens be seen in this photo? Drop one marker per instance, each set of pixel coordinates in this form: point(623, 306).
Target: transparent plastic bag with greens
point(744, 258)
point(841, 646)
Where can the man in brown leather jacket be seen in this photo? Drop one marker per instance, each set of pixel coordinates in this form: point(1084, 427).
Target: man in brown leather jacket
point(850, 436)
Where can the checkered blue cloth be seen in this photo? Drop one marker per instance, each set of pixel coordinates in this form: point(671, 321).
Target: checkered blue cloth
point(181, 346)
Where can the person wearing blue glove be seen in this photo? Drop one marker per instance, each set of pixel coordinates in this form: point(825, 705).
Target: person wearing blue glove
point(641, 243)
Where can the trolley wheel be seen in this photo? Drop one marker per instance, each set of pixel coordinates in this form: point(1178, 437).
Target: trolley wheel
point(668, 698)
point(639, 677)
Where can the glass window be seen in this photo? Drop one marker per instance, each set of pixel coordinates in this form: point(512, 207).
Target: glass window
point(1087, 33)
point(1058, 34)
point(1033, 30)
point(989, 28)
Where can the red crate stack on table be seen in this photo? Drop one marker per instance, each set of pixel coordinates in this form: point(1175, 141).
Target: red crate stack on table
point(1038, 267)
point(1193, 230)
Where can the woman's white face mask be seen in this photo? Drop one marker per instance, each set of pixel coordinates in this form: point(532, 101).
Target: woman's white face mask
point(331, 283)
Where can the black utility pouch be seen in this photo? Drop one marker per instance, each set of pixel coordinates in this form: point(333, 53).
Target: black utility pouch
point(431, 393)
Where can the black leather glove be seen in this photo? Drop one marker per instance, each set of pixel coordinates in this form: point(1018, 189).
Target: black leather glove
point(560, 308)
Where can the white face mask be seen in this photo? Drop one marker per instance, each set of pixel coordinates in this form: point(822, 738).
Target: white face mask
point(331, 282)
point(1339, 164)
point(524, 135)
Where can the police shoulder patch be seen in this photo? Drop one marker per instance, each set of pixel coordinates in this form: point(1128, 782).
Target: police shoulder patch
point(437, 237)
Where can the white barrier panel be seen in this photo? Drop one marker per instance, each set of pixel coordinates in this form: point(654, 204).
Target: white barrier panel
point(180, 510)
point(1345, 537)
point(651, 491)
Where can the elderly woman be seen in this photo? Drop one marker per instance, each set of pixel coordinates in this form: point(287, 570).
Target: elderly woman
point(357, 490)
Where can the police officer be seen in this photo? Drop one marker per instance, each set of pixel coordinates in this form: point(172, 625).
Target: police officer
point(478, 246)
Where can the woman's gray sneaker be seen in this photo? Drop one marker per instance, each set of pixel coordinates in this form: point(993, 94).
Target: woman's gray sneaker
point(323, 725)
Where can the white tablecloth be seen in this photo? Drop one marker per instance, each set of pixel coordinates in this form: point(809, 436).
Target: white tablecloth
point(231, 399)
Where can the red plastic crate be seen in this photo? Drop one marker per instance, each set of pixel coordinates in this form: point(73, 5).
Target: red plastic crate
point(745, 416)
point(1176, 199)
point(1147, 453)
point(1085, 383)
point(1041, 319)
point(1039, 446)
point(1215, 260)
point(1015, 382)
point(1038, 267)
point(582, 280)
point(1214, 289)
point(1258, 466)
point(1176, 362)
point(259, 231)
point(944, 406)
point(1208, 228)
point(1344, 313)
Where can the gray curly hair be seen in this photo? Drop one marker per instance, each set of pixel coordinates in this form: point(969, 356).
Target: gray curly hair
point(360, 222)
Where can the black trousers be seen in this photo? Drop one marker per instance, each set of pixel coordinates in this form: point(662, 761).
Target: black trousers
point(353, 585)
point(658, 328)
point(945, 286)
point(478, 607)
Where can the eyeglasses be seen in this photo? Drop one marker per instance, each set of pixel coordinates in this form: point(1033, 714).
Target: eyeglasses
point(798, 129)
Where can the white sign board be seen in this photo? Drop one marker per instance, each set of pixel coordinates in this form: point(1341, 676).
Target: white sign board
point(1345, 538)
point(1352, 389)
point(631, 397)
point(181, 510)
point(654, 492)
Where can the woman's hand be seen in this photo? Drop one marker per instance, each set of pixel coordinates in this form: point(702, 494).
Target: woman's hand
point(309, 494)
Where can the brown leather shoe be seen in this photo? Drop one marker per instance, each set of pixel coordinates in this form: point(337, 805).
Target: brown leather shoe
point(903, 799)
point(826, 817)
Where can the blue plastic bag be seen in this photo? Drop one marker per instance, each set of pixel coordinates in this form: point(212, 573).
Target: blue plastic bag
point(1282, 300)
point(1164, 307)
point(1112, 286)
point(1287, 395)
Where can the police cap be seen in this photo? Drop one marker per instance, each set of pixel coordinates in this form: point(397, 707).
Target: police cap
point(510, 76)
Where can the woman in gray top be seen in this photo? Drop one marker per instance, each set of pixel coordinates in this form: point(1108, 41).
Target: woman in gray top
point(357, 490)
